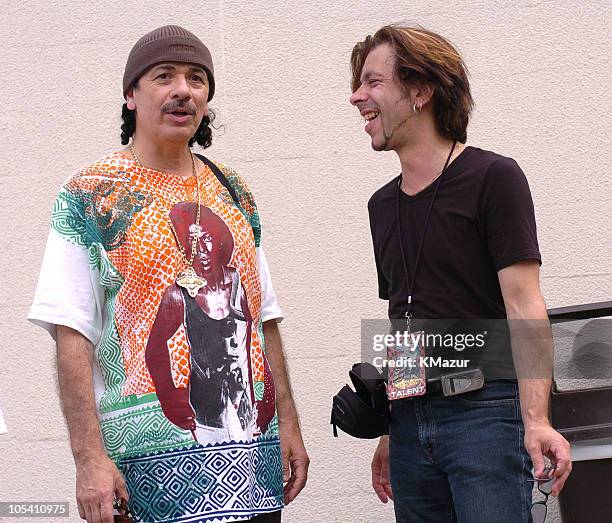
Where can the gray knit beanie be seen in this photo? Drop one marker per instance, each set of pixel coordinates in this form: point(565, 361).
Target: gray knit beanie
point(170, 43)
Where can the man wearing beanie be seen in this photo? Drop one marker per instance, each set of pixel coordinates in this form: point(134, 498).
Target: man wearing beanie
point(156, 289)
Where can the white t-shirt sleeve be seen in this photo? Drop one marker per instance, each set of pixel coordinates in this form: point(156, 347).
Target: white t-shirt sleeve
point(69, 292)
point(270, 310)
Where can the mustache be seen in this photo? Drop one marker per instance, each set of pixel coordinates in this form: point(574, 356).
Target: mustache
point(174, 105)
point(367, 106)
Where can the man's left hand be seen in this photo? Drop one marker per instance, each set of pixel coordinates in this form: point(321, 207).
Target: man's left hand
point(295, 459)
point(543, 440)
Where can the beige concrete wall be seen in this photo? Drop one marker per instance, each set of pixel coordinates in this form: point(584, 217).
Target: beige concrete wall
point(540, 74)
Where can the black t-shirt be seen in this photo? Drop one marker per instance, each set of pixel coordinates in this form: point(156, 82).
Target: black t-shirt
point(482, 221)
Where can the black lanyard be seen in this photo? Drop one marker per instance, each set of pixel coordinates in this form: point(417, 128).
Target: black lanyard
point(420, 248)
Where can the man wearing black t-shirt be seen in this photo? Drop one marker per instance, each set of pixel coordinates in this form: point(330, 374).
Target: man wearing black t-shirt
point(455, 237)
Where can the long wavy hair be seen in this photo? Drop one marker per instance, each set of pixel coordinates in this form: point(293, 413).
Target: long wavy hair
point(203, 136)
point(424, 56)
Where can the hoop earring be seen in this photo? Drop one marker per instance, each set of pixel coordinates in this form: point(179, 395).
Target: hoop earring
point(416, 109)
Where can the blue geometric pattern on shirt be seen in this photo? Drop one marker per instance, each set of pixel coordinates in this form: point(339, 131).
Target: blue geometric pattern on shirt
point(141, 429)
point(272, 427)
point(225, 481)
point(258, 389)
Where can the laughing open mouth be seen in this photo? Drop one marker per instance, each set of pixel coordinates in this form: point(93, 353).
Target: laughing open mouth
point(369, 116)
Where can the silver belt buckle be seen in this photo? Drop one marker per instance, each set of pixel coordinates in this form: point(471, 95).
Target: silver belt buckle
point(461, 382)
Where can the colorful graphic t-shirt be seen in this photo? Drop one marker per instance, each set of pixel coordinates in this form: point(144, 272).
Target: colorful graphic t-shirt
point(184, 392)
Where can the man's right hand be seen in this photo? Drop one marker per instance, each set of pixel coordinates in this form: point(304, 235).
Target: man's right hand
point(98, 483)
point(380, 471)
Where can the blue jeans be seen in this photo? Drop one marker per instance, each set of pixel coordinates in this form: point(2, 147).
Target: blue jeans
point(460, 459)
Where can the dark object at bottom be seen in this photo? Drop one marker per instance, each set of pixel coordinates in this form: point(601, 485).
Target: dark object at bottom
point(583, 416)
point(123, 514)
point(271, 517)
point(363, 412)
point(586, 494)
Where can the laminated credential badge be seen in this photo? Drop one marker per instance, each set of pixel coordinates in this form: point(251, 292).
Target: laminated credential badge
point(406, 373)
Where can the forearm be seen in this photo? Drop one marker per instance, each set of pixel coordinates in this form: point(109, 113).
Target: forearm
point(285, 405)
point(75, 376)
point(294, 457)
point(532, 350)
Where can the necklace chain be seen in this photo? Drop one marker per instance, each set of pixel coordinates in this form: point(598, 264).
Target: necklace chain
point(194, 242)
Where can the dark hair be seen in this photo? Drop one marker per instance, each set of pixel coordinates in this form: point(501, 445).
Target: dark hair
point(422, 55)
point(182, 215)
point(203, 135)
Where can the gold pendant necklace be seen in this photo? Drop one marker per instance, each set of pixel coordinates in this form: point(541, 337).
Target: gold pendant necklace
point(187, 278)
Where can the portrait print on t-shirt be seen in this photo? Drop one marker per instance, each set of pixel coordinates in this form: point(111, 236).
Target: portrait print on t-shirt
point(198, 351)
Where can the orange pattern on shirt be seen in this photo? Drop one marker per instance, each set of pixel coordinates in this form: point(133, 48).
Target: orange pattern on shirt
point(149, 259)
point(178, 347)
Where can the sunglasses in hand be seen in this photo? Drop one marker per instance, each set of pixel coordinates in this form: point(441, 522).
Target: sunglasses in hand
point(122, 513)
point(545, 486)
